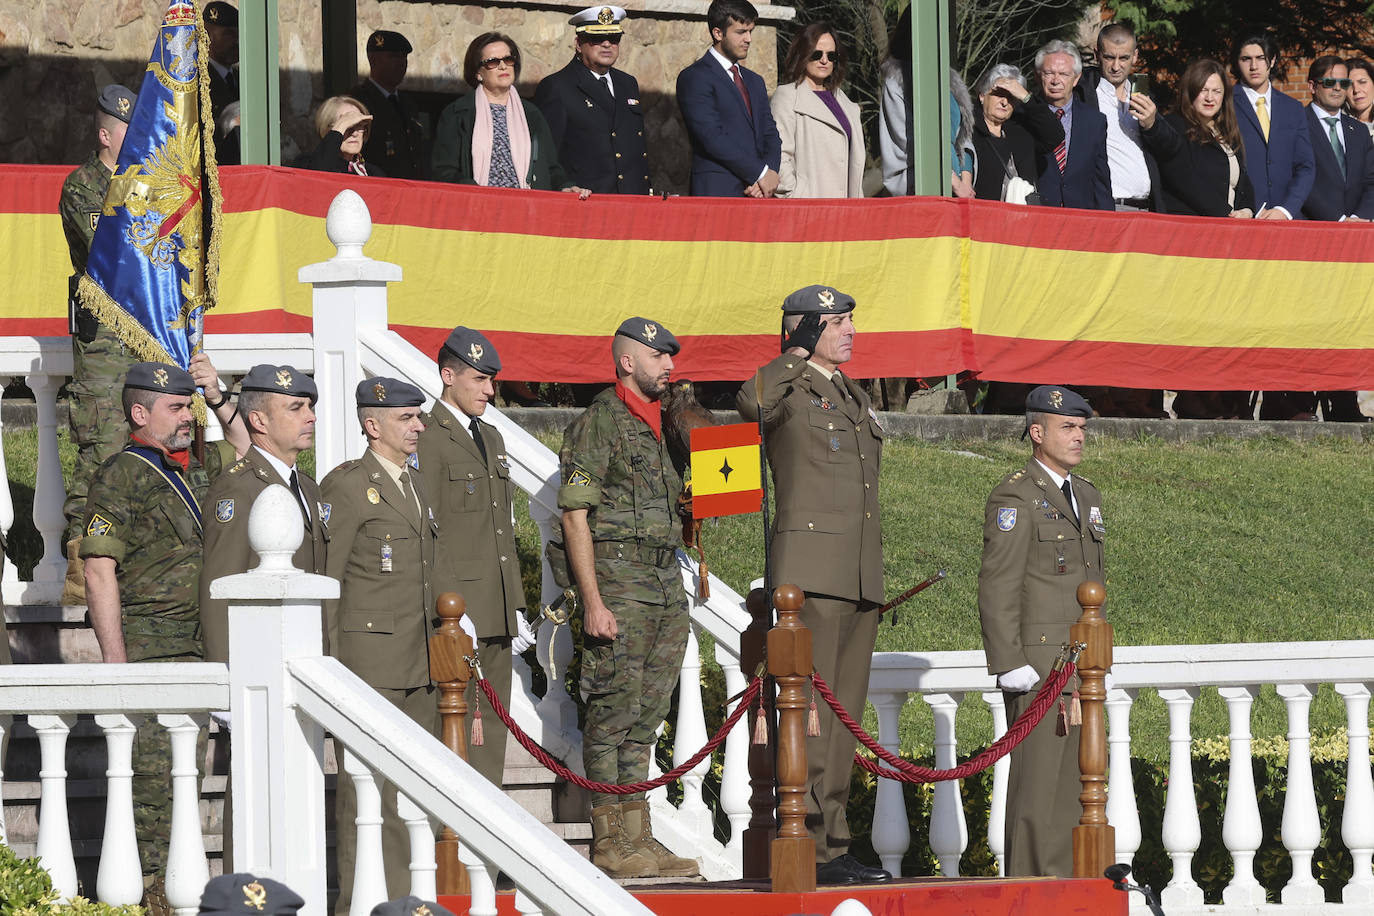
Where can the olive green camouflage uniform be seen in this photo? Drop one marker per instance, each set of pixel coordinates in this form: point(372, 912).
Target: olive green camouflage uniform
point(134, 517)
point(99, 364)
point(612, 465)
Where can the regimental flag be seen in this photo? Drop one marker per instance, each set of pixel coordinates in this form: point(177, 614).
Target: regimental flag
point(154, 259)
point(726, 477)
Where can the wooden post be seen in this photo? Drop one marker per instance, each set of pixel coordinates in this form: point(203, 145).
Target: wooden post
point(763, 798)
point(449, 648)
point(793, 865)
point(1094, 840)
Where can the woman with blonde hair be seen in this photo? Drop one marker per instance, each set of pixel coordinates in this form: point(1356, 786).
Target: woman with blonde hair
point(343, 124)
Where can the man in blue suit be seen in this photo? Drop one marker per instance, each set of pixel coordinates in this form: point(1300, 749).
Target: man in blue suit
point(1273, 128)
point(736, 150)
point(1076, 174)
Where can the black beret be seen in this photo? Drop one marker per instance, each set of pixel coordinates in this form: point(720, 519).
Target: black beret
point(1056, 399)
point(117, 102)
point(410, 906)
point(474, 349)
point(163, 378)
point(382, 40)
point(823, 299)
point(220, 13)
point(280, 380)
point(650, 333)
point(388, 392)
point(243, 894)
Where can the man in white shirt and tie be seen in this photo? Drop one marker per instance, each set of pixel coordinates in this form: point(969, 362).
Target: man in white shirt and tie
point(1278, 148)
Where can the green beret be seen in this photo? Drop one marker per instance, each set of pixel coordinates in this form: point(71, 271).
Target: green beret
point(382, 40)
point(243, 894)
point(387, 392)
point(650, 333)
point(823, 299)
point(163, 378)
point(410, 906)
point(1057, 400)
point(474, 349)
point(220, 13)
point(280, 380)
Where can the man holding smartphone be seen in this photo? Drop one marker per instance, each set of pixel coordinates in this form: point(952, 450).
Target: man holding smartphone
point(1135, 177)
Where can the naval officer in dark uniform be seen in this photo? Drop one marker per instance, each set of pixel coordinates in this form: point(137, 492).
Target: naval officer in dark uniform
point(594, 110)
point(397, 139)
point(1042, 537)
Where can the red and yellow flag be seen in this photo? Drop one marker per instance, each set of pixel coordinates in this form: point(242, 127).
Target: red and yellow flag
point(725, 470)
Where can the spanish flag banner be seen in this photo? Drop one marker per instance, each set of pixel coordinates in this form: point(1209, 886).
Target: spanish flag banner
point(725, 470)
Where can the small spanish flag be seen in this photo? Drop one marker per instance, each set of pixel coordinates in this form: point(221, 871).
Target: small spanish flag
point(725, 470)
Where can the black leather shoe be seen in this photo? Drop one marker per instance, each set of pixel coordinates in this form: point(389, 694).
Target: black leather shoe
point(846, 869)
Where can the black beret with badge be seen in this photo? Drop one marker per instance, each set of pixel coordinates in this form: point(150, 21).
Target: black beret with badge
point(280, 380)
point(242, 894)
point(474, 349)
point(598, 20)
point(410, 906)
point(117, 101)
point(388, 392)
point(650, 333)
point(163, 378)
point(1056, 399)
point(383, 40)
point(221, 13)
point(823, 300)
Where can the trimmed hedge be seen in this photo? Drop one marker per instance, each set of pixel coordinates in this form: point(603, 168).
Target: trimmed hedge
point(26, 890)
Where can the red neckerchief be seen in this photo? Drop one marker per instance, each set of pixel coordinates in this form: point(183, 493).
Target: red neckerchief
point(648, 411)
point(181, 456)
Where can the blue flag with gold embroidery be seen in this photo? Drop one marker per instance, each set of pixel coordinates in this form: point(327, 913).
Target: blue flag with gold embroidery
point(154, 257)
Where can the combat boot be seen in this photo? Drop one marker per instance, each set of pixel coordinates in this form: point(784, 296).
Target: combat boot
point(641, 834)
point(155, 897)
point(612, 851)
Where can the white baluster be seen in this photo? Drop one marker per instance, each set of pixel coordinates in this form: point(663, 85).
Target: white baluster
point(8, 571)
point(524, 905)
point(54, 835)
point(948, 831)
point(689, 735)
point(49, 491)
point(658, 798)
point(1122, 812)
point(5, 722)
point(556, 709)
point(1302, 830)
point(1241, 829)
point(891, 828)
point(187, 869)
point(734, 780)
point(481, 881)
point(119, 880)
point(1357, 823)
point(1001, 770)
point(423, 865)
point(1182, 832)
point(369, 874)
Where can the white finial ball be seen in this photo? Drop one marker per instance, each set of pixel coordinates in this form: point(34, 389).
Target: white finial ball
point(348, 224)
point(851, 907)
point(275, 529)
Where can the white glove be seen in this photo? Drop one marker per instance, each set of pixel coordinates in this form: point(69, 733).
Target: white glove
point(1018, 680)
point(466, 623)
point(525, 637)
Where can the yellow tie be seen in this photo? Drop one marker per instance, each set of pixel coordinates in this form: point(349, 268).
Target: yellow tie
point(1262, 112)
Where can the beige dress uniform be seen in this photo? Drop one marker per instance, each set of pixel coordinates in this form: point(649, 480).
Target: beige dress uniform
point(476, 555)
point(381, 549)
point(824, 445)
point(1034, 558)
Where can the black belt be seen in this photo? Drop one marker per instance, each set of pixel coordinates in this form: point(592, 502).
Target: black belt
point(1141, 202)
point(661, 557)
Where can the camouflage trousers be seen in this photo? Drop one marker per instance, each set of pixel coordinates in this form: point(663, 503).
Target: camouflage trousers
point(95, 414)
point(628, 684)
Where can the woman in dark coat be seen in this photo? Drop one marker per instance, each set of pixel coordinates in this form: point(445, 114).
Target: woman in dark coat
point(343, 124)
point(1009, 135)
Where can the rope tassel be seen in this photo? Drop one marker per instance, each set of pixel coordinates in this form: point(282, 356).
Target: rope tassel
point(760, 725)
point(478, 739)
point(813, 717)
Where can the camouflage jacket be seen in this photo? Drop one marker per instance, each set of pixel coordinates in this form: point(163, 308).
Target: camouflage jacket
point(612, 465)
point(83, 196)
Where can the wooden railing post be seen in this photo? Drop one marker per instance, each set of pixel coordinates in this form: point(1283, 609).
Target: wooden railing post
point(449, 649)
point(1094, 841)
point(793, 866)
point(763, 798)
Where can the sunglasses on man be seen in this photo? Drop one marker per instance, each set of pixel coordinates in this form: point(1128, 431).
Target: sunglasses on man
point(599, 39)
point(1331, 82)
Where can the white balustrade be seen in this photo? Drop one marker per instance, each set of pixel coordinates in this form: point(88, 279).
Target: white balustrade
point(423, 865)
point(369, 877)
point(6, 722)
point(1182, 831)
point(689, 734)
point(734, 780)
point(48, 491)
point(1122, 813)
point(8, 571)
point(1241, 829)
point(948, 830)
point(187, 870)
point(119, 878)
point(891, 832)
point(1301, 829)
point(54, 835)
point(1357, 826)
point(1001, 773)
point(481, 883)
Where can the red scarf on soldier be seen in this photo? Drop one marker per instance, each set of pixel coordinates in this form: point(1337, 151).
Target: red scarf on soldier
point(651, 412)
point(181, 456)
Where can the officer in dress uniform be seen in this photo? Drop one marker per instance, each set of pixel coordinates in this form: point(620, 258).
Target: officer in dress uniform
point(464, 465)
point(382, 532)
point(594, 110)
point(397, 138)
point(1042, 537)
point(222, 27)
point(824, 444)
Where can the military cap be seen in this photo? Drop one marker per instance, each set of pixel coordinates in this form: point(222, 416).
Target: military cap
point(243, 894)
point(1056, 399)
point(388, 392)
point(650, 333)
point(163, 378)
point(823, 299)
point(410, 906)
point(220, 13)
point(382, 40)
point(280, 380)
point(117, 102)
point(598, 20)
point(474, 349)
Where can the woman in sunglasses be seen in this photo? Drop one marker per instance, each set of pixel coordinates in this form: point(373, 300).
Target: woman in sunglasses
point(822, 139)
point(343, 124)
point(491, 136)
point(1360, 101)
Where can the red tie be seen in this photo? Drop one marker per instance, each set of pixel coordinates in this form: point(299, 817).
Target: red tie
point(744, 94)
point(1061, 152)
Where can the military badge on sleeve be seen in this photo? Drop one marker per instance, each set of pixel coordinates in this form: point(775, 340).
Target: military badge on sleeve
point(224, 510)
point(1006, 519)
point(325, 509)
point(579, 478)
point(100, 525)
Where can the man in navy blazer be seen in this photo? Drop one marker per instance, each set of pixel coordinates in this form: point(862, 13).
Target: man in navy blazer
point(1344, 184)
point(1273, 129)
point(1077, 174)
point(736, 150)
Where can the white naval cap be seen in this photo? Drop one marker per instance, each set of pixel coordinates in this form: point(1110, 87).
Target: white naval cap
point(598, 20)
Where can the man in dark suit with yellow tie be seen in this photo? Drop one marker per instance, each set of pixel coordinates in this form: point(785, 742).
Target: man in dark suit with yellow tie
point(824, 444)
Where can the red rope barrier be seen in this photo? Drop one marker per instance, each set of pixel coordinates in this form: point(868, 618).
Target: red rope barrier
point(746, 699)
point(905, 771)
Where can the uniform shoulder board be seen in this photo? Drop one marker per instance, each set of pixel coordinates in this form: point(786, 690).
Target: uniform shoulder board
point(1014, 475)
point(237, 466)
point(1078, 476)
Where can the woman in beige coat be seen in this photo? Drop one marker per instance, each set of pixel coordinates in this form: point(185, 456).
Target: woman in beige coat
point(822, 139)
